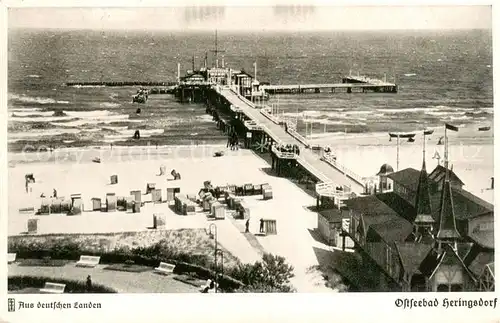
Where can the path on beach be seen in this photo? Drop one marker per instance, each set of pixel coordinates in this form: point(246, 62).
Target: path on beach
point(121, 281)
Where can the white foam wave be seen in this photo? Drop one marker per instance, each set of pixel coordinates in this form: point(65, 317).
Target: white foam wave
point(205, 118)
point(88, 114)
point(110, 104)
point(408, 110)
point(115, 128)
point(41, 133)
point(32, 113)
point(24, 109)
point(445, 113)
point(95, 120)
point(40, 119)
point(33, 76)
point(87, 86)
point(144, 133)
point(410, 74)
point(38, 100)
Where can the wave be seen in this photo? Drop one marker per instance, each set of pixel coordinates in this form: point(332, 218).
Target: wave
point(88, 114)
point(33, 76)
point(109, 104)
point(446, 113)
point(87, 86)
point(95, 120)
point(24, 109)
point(408, 110)
point(36, 100)
point(205, 118)
point(40, 118)
point(410, 74)
point(42, 133)
point(144, 132)
point(32, 113)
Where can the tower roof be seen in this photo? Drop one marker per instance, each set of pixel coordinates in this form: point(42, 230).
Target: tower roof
point(385, 169)
point(423, 198)
point(447, 223)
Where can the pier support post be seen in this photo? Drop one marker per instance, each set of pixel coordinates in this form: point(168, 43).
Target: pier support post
point(349, 90)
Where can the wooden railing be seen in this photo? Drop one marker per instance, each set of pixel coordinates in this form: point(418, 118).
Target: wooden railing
point(333, 162)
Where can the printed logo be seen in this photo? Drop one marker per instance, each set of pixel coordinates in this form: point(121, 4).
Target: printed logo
point(11, 305)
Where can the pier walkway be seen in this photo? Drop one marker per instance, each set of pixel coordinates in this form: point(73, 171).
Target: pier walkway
point(326, 172)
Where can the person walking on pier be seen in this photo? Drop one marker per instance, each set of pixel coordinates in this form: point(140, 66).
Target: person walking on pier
point(261, 228)
point(247, 224)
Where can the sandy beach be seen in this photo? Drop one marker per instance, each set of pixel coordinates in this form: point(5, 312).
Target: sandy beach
point(471, 153)
point(72, 171)
point(196, 165)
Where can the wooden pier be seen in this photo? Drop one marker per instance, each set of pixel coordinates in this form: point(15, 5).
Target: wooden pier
point(350, 84)
point(334, 180)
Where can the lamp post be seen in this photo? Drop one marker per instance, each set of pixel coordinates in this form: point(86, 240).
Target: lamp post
point(222, 268)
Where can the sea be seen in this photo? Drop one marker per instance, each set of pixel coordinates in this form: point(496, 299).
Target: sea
point(443, 76)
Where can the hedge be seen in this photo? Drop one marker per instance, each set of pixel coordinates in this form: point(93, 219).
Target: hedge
point(149, 256)
point(72, 286)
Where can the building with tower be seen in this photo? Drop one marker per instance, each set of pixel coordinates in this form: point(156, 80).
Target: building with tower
point(425, 233)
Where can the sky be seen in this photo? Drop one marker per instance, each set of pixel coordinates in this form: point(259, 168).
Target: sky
point(256, 18)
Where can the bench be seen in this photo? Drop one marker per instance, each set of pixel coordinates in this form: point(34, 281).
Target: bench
point(11, 257)
point(53, 288)
point(165, 268)
point(88, 261)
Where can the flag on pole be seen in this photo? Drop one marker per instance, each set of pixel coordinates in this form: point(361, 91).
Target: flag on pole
point(450, 127)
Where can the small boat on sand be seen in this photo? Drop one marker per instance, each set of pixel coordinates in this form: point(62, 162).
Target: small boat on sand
point(96, 160)
point(484, 128)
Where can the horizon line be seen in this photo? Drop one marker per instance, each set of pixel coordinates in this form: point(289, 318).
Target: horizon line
point(259, 30)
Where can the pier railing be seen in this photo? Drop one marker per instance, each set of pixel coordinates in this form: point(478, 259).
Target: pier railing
point(330, 159)
point(265, 113)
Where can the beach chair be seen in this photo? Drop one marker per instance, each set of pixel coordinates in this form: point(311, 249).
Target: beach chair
point(110, 202)
point(156, 195)
point(53, 288)
point(257, 189)
point(248, 189)
point(32, 226)
point(88, 261)
point(267, 192)
point(137, 195)
point(136, 207)
point(150, 187)
point(165, 268)
point(55, 206)
point(96, 204)
point(76, 205)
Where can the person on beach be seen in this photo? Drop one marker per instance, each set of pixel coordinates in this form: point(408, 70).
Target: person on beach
point(89, 283)
point(54, 193)
point(261, 228)
point(247, 224)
